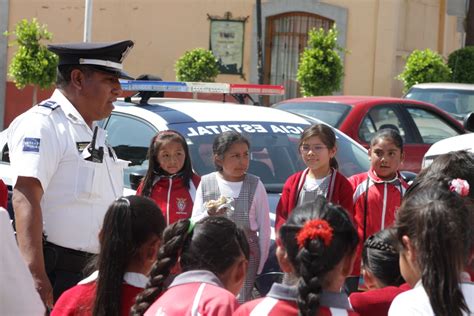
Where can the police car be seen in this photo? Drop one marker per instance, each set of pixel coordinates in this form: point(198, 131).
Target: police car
point(455, 143)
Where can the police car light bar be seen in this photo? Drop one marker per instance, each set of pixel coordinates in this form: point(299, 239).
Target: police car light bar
point(203, 87)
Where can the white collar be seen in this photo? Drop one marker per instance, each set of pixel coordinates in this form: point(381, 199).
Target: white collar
point(131, 278)
point(69, 110)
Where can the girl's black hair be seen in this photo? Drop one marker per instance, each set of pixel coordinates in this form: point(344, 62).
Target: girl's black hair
point(224, 141)
point(313, 261)
point(380, 256)
point(129, 223)
point(439, 224)
point(327, 136)
point(154, 168)
point(214, 244)
point(390, 134)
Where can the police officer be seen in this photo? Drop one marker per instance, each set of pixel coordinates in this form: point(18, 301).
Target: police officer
point(67, 175)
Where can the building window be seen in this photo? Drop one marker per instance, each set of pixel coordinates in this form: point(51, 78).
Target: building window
point(285, 39)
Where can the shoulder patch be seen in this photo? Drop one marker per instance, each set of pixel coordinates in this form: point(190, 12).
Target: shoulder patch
point(31, 144)
point(49, 104)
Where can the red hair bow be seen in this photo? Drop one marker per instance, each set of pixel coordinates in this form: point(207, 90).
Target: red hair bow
point(460, 186)
point(316, 228)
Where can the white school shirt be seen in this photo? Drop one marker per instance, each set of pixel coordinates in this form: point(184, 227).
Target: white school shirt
point(416, 301)
point(45, 143)
point(259, 213)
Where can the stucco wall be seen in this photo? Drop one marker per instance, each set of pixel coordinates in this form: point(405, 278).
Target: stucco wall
point(378, 34)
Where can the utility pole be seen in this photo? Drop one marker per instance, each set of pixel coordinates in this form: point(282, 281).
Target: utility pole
point(88, 21)
point(4, 9)
point(259, 47)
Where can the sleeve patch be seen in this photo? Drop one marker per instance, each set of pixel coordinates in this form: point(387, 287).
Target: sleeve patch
point(31, 144)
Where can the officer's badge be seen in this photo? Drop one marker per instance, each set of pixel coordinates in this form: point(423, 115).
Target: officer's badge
point(31, 144)
point(181, 203)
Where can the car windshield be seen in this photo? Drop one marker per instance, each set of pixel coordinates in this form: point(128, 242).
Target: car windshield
point(273, 153)
point(454, 101)
point(329, 112)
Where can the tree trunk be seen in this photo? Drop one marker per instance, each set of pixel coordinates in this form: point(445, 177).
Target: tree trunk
point(35, 95)
point(470, 25)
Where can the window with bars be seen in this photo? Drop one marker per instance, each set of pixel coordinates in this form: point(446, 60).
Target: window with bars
point(285, 39)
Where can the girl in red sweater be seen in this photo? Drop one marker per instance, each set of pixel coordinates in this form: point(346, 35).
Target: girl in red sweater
point(170, 180)
point(318, 150)
point(378, 193)
point(316, 246)
point(129, 241)
point(382, 276)
point(213, 256)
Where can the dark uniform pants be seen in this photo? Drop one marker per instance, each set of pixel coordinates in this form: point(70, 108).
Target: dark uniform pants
point(64, 266)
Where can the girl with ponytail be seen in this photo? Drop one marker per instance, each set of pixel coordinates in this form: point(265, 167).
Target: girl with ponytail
point(434, 229)
point(129, 240)
point(212, 255)
point(317, 245)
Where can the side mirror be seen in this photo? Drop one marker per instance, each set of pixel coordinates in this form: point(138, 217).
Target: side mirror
point(136, 178)
point(469, 122)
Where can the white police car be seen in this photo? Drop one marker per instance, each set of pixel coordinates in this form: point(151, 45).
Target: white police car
point(273, 134)
point(455, 143)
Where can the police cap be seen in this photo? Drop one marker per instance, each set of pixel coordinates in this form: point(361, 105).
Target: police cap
point(107, 57)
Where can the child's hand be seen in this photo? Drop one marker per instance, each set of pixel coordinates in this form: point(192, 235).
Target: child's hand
point(220, 206)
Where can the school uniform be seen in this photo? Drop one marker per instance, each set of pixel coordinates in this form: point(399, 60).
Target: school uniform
point(297, 190)
point(281, 300)
point(376, 302)
point(417, 302)
point(79, 300)
point(173, 197)
point(251, 213)
point(375, 204)
point(193, 293)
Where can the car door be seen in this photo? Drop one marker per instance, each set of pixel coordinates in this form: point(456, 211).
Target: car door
point(428, 128)
point(391, 116)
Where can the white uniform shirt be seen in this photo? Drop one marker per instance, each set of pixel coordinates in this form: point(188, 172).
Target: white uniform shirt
point(259, 213)
point(417, 302)
point(45, 144)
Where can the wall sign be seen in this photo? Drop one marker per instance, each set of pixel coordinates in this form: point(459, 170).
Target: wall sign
point(227, 42)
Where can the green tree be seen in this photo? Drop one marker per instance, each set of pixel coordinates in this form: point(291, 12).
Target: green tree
point(197, 65)
point(32, 64)
point(461, 63)
point(424, 66)
point(320, 70)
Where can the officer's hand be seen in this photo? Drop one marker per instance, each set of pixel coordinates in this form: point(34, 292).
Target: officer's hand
point(45, 290)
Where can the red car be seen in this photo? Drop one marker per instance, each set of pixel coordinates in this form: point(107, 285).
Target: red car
point(420, 124)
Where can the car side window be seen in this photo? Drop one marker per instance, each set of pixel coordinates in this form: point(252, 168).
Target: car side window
point(379, 118)
point(130, 137)
point(432, 127)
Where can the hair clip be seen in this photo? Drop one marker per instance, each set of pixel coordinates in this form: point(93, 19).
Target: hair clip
point(192, 223)
point(460, 186)
point(316, 228)
point(123, 199)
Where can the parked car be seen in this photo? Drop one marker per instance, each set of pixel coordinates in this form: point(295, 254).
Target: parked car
point(455, 143)
point(455, 98)
point(420, 124)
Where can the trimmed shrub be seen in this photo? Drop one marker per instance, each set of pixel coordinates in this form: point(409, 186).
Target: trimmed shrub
point(424, 66)
point(197, 65)
point(461, 63)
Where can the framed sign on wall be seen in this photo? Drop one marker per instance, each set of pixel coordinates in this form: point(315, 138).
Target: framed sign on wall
point(227, 42)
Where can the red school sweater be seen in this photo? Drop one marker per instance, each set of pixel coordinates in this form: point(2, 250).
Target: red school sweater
point(341, 195)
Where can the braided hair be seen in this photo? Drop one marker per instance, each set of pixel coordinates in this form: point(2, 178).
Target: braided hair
point(315, 255)
point(213, 244)
point(380, 256)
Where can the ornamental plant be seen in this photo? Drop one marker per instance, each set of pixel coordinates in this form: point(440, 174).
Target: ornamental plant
point(197, 65)
point(320, 69)
point(424, 66)
point(461, 63)
point(32, 64)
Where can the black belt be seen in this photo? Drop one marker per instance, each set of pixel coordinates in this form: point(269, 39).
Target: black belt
point(61, 258)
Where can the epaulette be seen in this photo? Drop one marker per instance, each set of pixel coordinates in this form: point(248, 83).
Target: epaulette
point(49, 104)
point(46, 107)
